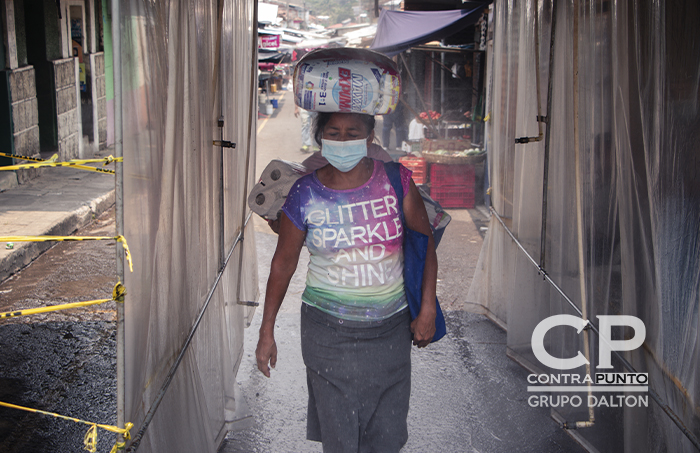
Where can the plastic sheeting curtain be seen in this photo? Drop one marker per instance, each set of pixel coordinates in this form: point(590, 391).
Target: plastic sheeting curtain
point(175, 89)
point(623, 232)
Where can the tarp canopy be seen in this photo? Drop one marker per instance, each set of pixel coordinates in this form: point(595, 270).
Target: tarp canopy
point(184, 215)
point(400, 30)
point(615, 220)
point(274, 56)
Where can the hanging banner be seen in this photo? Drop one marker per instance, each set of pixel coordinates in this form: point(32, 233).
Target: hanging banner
point(269, 42)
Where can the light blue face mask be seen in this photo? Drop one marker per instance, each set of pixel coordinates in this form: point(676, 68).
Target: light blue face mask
point(344, 155)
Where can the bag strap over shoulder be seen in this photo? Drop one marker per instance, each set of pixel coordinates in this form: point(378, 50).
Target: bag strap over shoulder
point(393, 172)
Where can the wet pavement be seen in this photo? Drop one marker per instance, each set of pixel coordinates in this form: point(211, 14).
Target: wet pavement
point(467, 396)
point(62, 362)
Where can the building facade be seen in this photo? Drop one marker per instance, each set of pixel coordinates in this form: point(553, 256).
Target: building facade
point(52, 87)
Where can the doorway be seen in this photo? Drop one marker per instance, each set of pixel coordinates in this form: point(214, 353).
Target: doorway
point(78, 40)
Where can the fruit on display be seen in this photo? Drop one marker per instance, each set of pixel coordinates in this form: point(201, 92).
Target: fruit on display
point(433, 115)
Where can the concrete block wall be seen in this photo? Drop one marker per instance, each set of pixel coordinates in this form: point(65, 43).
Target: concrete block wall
point(100, 98)
point(67, 109)
point(25, 118)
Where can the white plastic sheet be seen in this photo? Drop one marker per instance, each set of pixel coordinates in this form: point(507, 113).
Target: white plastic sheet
point(187, 64)
point(622, 231)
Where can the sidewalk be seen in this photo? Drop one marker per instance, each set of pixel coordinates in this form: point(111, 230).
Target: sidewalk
point(56, 203)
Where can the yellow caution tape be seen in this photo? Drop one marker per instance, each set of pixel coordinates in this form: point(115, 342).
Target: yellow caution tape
point(107, 160)
point(53, 158)
point(57, 164)
point(118, 446)
point(90, 440)
point(76, 163)
point(488, 117)
point(127, 253)
point(118, 294)
point(119, 238)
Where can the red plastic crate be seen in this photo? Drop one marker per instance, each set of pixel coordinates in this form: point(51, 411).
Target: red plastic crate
point(453, 196)
point(452, 175)
point(418, 166)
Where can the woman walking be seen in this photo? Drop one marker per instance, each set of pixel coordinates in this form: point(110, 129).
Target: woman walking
point(356, 330)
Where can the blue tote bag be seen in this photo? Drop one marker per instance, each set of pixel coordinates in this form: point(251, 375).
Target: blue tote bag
point(415, 250)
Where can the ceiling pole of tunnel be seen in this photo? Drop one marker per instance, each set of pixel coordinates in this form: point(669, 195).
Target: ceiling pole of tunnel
point(432, 85)
point(442, 85)
point(540, 119)
point(537, 71)
point(119, 208)
point(548, 138)
point(579, 218)
point(218, 90)
point(251, 129)
point(420, 98)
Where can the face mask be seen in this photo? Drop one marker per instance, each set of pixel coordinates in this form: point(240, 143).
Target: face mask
point(344, 155)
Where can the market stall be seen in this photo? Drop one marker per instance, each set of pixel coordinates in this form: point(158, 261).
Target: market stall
point(445, 84)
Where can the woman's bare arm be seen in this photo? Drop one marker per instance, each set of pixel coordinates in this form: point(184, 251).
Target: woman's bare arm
point(284, 263)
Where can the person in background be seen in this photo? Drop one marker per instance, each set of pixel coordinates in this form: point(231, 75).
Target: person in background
point(397, 121)
point(306, 122)
point(415, 130)
point(355, 327)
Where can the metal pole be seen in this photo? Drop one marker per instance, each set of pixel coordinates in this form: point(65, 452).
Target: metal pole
point(442, 87)
point(249, 147)
point(432, 85)
point(548, 137)
point(119, 209)
point(579, 220)
point(218, 89)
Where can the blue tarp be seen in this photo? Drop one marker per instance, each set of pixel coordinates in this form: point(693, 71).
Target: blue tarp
point(400, 30)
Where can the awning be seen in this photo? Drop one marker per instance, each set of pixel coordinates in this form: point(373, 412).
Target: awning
point(274, 56)
point(399, 30)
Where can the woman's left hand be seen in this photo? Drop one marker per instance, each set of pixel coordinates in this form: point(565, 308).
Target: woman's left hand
point(423, 328)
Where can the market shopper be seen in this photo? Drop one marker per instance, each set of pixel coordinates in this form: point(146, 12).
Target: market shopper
point(307, 119)
point(355, 326)
point(396, 121)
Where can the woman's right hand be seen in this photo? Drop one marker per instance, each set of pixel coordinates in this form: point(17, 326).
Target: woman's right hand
point(282, 268)
point(266, 353)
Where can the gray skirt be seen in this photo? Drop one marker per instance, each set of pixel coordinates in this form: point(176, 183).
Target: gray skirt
point(359, 379)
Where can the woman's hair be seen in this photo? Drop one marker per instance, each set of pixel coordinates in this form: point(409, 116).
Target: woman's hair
point(324, 117)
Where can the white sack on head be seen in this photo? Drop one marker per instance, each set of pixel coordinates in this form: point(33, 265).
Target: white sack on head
point(347, 80)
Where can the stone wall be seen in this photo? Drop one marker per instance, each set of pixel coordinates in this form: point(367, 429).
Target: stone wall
point(25, 117)
point(67, 109)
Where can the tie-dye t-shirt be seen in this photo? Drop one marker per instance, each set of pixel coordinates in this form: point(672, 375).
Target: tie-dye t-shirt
point(355, 240)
